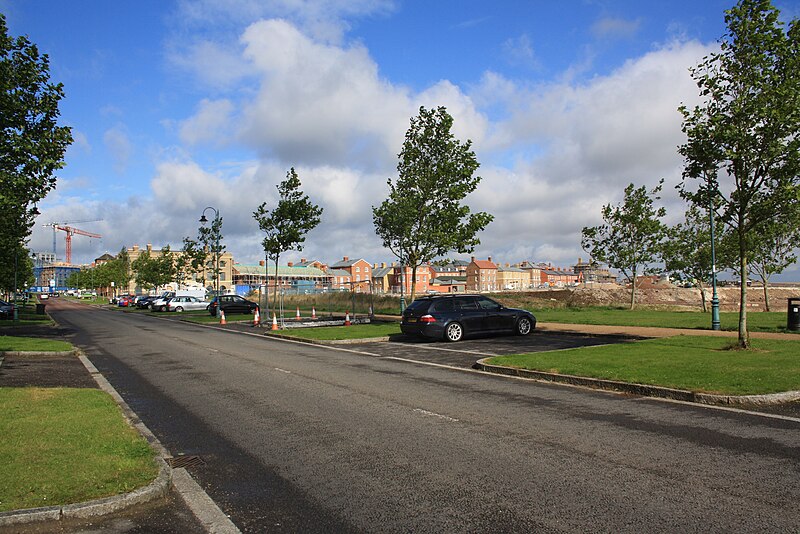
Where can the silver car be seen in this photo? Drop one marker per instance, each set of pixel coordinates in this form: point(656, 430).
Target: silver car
point(186, 303)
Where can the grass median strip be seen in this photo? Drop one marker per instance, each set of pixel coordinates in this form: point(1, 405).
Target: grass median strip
point(67, 445)
point(757, 322)
point(32, 344)
point(694, 363)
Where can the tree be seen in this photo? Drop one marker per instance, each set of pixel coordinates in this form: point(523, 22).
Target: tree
point(154, 272)
point(287, 225)
point(632, 237)
point(192, 260)
point(32, 145)
point(743, 140)
point(424, 216)
point(773, 250)
point(211, 240)
point(687, 250)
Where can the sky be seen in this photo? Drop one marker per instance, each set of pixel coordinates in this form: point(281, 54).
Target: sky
point(178, 105)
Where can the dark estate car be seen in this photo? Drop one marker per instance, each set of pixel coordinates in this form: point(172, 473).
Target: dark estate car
point(232, 304)
point(6, 310)
point(451, 317)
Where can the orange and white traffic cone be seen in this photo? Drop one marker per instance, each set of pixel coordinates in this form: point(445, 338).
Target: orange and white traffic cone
point(256, 318)
point(347, 318)
point(313, 312)
point(274, 322)
point(222, 317)
point(297, 315)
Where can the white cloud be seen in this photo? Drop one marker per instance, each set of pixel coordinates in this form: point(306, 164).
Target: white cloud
point(615, 28)
point(119, 146)
point(211, 123)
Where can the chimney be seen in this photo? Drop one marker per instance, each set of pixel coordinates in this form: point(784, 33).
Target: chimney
point(149, 247)
point(134, 248)
point(261, 263)
point(302, 260)
point(345, 258)
point(508, 265)
point(383, 264)
point(472, 258)
point(490, 259)
point(290, 264)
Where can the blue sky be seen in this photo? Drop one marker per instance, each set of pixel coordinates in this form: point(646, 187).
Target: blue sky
point(179, 105)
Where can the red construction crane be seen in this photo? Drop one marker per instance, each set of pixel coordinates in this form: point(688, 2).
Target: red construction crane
point(70, 232)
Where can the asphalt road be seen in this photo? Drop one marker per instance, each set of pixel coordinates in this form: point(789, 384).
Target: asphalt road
point(305, 438)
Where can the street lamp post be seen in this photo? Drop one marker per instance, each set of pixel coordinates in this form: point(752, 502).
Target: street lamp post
point(714, 298)
point(203, 220)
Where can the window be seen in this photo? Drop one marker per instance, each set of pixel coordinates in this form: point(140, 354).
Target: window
point(358, 269)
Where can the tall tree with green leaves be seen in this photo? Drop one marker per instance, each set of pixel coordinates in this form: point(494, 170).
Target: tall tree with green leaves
point(773, 250)
point(32, 144)
point(631, 238)
point(286, 226)
point(424, 216)
point(687, 250)
point(210, 238)
point(743, 140)
point(193, 260)
point(152, 272)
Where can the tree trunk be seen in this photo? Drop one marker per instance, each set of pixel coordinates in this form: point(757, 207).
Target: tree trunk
point(744, 335)
point(765, 283)
point(633, 290)
point(413, 282)
point(702, 296)
point(275, 291)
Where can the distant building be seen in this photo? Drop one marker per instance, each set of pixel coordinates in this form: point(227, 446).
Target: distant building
point(359, 271)
point(482, 275)
point(512, 278)
point(593, 272)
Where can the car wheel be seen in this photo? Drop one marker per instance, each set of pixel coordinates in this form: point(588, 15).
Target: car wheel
point(523, 326)
point(454, 332)
point(150, 307)
point(161, 308)
point(178, 309)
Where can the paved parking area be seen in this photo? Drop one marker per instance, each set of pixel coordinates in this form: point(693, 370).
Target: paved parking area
point(466, 353)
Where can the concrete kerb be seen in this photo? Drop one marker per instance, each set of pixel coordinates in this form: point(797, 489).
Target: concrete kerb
point(159, 488)
point(201, 505)
point(642, 389)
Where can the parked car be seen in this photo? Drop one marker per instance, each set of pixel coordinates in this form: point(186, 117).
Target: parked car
point(451, 317)
point(160, 303)
point(186, 303)
point(6, 310)
point(125, 301)
point(232, 304)
point(144, 301)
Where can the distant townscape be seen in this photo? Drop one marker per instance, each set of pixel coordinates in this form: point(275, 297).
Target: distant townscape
point(346, 274)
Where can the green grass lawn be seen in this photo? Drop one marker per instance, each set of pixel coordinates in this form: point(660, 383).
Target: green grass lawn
point(14, 343)
point(64, 445)
point(356, 331)
point(695, 363)
point(756, 321)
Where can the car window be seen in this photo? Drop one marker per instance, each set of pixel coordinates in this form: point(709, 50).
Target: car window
point(444, 305)
point(419, 305)
point(467, 304)
point(488, 304)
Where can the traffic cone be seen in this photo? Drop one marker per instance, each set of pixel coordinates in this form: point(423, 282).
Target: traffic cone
point(313, 312)
point(274, 322)
point(222, 317)
point(297, 315)
point(347, 318)
point(256, 318)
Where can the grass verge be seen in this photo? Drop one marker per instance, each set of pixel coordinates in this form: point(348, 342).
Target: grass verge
point(15, 343)
point(695, 363)
point(336, 333)
point(756, 322)
point(65, 445)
